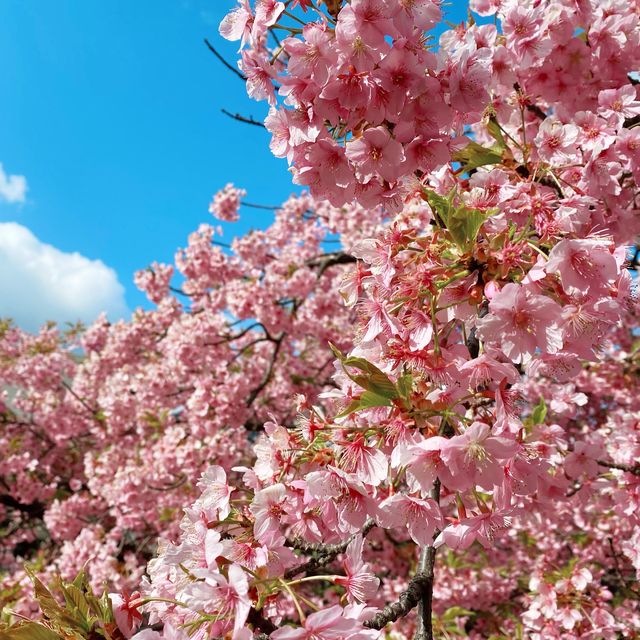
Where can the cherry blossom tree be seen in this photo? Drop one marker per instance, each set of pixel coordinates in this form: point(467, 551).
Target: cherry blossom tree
point(105, 431)
point(472, 468)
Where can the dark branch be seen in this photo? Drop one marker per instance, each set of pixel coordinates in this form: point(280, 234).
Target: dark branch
point(473, 344)
point(535, 109)
point(427, 562)
point(326, 552)
point(239, 118)
point(631, 122)
point(224, 62)
point(407, 601)
point(267, 376)
point(260, 206)
point(621, 467)
point(260, 623)
point(330, 260)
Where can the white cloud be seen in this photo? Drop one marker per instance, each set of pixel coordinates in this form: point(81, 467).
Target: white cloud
point(39, 282)
point(12, 188)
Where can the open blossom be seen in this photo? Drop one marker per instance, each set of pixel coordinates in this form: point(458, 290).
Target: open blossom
point(481, 527)
point(520, 322)
point(237, 24)
point(582, 460)
point(420, 517)
point(556, 142)
point(226, 599)
point(215, 491)
point(268, 509)
point(360, 583)
point(326, 624)
point(376, 153)
point(583, 265)
point(366, 462)
point(476, 457)
point(618, 104)
point(423, 461)
point(126, 611)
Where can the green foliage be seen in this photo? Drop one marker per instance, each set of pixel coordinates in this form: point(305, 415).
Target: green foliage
point(462, 223)
point(539, 412)
point(379, 389)
point(474, 155)
point(73, 613)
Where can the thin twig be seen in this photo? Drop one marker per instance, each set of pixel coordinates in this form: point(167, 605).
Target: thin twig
point(327, 552)
point(224, 62)
point(267, 377)
point(244, 203)
point(239, 118)
point(621, 467)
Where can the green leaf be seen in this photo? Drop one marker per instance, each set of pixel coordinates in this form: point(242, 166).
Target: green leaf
point(464, 225)
point(29, 631)
point(456, 612)
point(539, 412)
point(374, 380)
point(405, 385)
point(441, 205)
point(48, 604)
point(496, 132)
point(78, 604)
point(474, 155)
point(367, 400)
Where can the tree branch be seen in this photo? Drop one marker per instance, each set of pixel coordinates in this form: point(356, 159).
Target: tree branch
point(224, 62)
point(473, 344)
point(427, 561)
point(621, 467)
point(267, 377)
point(327, 552)
point(268, 207)
point(406, 602)
point(239, 118)
point(261, 623)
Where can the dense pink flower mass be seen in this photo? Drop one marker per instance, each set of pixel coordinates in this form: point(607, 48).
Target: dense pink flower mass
point(433, 432)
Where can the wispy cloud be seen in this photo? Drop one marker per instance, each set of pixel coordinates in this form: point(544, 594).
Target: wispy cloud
point(38, 282)
point(12, 188)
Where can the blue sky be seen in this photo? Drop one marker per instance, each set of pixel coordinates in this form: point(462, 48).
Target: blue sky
point(111, 110)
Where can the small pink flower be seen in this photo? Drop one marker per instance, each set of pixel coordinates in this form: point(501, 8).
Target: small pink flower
point(618, 104)
point(268, 509)
point(420, 517)
point(215, 491)
point(583, 265)
point(360, 583)
point(226, 202)
point(376, 153)
point(224, 598)
point(477, 458)
point(237, 24)
point(327, 624)
point(126, 611)
point(520, 322)
point(367, 463)
point(582, 460)
point(556, 142)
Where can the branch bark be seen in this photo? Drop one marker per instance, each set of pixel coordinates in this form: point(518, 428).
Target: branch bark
point(426, 568)
point(224, 62)
point(326, 552)
point(621, 467)
point(239, 118)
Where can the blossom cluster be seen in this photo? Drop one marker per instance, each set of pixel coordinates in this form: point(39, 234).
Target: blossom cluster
point(472, 464)
point(104, 430)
